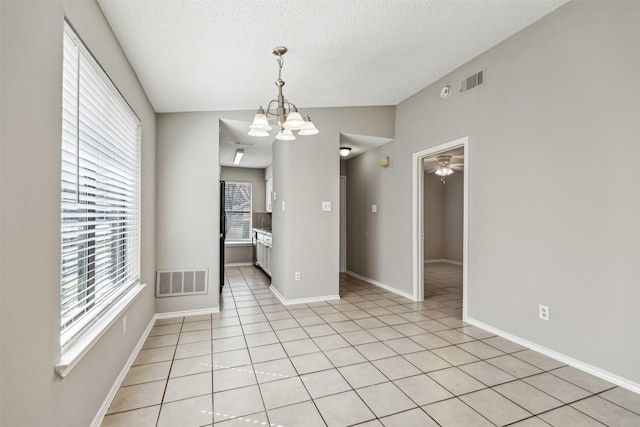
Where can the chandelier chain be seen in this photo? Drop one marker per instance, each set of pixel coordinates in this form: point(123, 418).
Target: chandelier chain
point(280, 63)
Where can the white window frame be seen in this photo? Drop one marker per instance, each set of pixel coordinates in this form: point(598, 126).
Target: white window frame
point(250, 212)
point(100, 203)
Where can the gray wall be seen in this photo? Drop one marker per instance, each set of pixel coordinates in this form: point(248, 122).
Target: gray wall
point(31, 394)
point(235, 253)
point(433, 217)
point(453, 213)
point(306, 172)
point(443, 217)
point(188, 211)
point(379, 244)
point(343, 167)
point(552, 224)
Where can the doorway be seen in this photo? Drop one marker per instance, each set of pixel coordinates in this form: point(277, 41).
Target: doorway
point(343, 224)
point(418, 217)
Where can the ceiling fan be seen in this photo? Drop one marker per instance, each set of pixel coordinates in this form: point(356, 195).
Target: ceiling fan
point(446, 165)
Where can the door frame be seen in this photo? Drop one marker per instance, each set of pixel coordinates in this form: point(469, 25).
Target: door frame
point(418, 218)
point(343, 224)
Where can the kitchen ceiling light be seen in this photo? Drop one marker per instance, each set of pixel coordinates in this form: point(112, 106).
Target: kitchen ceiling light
point(289, 118)
point(238, 156)
point(344, 151)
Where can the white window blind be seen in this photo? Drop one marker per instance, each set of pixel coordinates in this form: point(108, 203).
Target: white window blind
point(237, 207)
point(100, 213)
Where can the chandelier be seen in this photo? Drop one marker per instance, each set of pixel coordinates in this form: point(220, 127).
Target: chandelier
point(289, 119)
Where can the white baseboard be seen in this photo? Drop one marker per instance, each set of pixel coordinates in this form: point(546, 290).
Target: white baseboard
point(285, 301)
point(448, 261)
point(381, 285)
point(590, 369)
point(238, 264)
point(171, 314)
point(97, 420)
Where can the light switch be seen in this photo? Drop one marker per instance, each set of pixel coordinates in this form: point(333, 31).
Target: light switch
point(283, 206)
point(374, 208)
point(326, 206)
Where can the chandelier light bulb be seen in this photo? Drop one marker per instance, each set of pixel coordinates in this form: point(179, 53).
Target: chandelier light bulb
point(258, 132)
point(260, 122)
point(285, 135)
point(294, 121)
point(309, 128)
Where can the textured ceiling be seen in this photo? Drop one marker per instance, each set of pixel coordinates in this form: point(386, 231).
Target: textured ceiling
point(216, 54)
point(233, 136)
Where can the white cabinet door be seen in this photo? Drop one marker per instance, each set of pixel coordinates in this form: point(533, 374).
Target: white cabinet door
point(260, 253)
point(268, 259)
point(269, 194)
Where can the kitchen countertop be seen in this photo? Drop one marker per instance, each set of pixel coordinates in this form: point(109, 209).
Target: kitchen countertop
point(262, 230)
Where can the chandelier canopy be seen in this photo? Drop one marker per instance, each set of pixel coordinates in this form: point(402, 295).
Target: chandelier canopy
point(289, 119)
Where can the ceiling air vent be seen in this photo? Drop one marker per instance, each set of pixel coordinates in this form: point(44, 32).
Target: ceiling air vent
point(472, 82)
point(172, 283)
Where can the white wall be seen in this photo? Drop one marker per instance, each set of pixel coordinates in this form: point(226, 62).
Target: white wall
point(552, 224)
point(31, 394)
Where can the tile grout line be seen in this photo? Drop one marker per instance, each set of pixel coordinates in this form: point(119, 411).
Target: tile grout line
point(444, 306)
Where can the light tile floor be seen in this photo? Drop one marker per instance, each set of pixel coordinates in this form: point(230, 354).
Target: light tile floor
point(372, 358)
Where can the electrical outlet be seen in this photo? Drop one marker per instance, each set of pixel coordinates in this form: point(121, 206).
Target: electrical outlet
point(543, 312)
point(297, 276)
point(124, 325)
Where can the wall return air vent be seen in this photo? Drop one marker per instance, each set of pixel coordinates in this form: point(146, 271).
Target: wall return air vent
point(472, 82)
point(173, 283)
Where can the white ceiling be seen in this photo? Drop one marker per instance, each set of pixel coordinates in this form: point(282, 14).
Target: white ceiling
point(216, 55)
point(257, 150)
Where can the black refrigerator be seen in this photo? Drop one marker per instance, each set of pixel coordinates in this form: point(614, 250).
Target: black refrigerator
point(223, 233)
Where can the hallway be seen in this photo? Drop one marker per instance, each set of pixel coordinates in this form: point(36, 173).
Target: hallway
point(371, 358)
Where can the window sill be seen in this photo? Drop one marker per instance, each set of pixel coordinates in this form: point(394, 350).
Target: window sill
point(76, 352)
point(230, 244)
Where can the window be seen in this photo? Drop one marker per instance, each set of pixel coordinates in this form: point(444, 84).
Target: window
point(100, 224)
point(237, 208)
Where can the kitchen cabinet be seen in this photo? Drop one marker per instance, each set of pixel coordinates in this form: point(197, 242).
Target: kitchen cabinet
point(269, 193)
point(263, 248)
